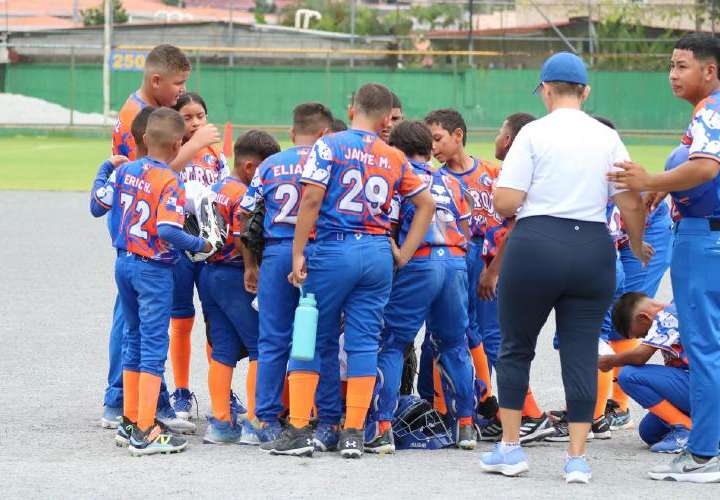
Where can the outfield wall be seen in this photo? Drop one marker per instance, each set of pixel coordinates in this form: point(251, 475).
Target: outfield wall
point(266, 95)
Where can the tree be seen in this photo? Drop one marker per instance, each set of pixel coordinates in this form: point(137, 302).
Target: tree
point(95, 16)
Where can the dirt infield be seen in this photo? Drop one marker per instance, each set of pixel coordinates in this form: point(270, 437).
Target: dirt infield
point(57, 294)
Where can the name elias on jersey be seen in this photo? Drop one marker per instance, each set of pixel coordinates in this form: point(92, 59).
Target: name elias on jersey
point(279, 170)
point(368, 159)
point(139, 184)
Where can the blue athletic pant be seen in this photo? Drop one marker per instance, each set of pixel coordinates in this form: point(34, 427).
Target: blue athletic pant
point(117, 347)
point(350, 274)
point(186, 276)
point(233, 321)
point(483, 314)
point(647, 279)
point(695, 273)
point(651, 384)
point(275, 338)
point(425, 384)
point(431, 288)
point(145, 290)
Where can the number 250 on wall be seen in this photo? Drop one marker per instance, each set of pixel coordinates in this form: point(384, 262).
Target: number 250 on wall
point(127, 60)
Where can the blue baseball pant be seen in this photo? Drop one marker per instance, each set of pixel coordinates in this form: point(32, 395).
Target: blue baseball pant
point(145, 290)
point(233, 321)
point(186, 276)
point(483, 314)
point(695, 273)
point(440, 280)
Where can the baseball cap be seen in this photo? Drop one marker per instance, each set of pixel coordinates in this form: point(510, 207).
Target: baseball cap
point(563, 67)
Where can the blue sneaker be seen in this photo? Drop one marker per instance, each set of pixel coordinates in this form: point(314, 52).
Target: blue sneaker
point(111, 417)
point(577, 470)
point(673, 442)
point(256, 432)
point(182, 403)
point(177, 425)
point(220, 432)
point(326, 437)
point(237, 408)
point(507, 463)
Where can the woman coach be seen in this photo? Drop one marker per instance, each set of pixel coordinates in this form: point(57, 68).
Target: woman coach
point(559, 255)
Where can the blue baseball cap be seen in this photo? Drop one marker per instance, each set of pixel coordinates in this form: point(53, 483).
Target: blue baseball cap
point(563, 67)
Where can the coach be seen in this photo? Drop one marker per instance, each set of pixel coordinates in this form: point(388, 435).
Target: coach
point(559, 256)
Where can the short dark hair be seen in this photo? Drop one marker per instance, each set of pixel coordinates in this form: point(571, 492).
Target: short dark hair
point(606, 121)
point(167, 59)
point(187, 98)
point(449, 119)
point(396, 103)
point(139, 124)
point(256, 143)
point(567, 88)
point(338, 125)
point(311, 118)
point(164, 127)
point(702, 45)
point(622, 312)
point(373, 99)
point(412, 138)
point(517, 121)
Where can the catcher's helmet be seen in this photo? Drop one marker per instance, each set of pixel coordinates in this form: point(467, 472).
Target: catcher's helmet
point(418, 425)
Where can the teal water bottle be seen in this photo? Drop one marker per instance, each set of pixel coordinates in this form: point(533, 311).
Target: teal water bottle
point(304, 328)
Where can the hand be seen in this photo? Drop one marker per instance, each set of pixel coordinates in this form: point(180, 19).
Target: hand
point(299, 271)
point(605, 363)
point(205, 136)
point(251, 278)
point(118, 160)
point(643, 251)
point(487, 284)
point(632, 177)
point(396, 253)
point(208, 247)
point(653, 200)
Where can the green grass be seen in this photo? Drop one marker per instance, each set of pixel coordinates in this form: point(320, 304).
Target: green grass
point(52, 163)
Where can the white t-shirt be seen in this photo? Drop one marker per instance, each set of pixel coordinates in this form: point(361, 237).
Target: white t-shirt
point(561, 161)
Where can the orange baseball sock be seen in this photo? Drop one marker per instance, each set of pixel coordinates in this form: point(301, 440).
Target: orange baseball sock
point(285, 398)
point(465, 421)
point(384, 425)
point(208, 352)
point(439, 396)
point(219, 382)
point(670, 414)
point(359, 394)
point(131, 386)
point(603, 392)
point(482, 368)
point(302, 396)
point(180, 347)
point(148, 397)
point(618, 395)
point(530, 407)
point(250, 382)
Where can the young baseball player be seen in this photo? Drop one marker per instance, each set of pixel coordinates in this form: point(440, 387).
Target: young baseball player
point(146, 198)
point(207, 166)
point(395, 117)
point(349, 181)
point(226, 301)
point(276, 184)
point(663, 390)
point(437, 273)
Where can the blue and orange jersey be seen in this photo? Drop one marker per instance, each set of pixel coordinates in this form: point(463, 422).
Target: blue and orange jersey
point(207, 167)
point(451, 208)
point(658, 218)
point(123, 142)
point(494, 240)
point(477, 185)
point(360, 175)
point(277, 183)
point(664, 334)
point(229, 192)
point(146, 194)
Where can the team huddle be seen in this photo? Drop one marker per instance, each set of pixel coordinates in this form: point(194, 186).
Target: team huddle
point(389, 246)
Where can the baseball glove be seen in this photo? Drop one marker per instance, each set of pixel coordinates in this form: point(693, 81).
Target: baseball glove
point(252, 235)
point(209, 225)
point(407, 382)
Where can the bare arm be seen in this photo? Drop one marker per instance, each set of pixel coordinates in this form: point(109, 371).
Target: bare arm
point(203, 137)
point(312, 198)
point(632, 212)
point(638, 356)
point(688, 175)
point(507, 201)
point(424, 212)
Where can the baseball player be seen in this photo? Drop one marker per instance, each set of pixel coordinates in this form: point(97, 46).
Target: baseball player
point(663, 390)
point(276, 184)
point(437, 273)
point(146, 199)
point(226, 301)
point(349, 181)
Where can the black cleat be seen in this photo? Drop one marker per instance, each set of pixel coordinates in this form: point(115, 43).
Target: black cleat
point(124, 431)
point(155, 440)
point(492, 431)
point(292, 441)
point(600, 429)
point(535, 429)
point(382, 443)
point(351, 443)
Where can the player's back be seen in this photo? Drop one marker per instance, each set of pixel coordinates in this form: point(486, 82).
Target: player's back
point(277, 182)
point(228, 193)
point(123, 142)
point(450, 208)
point(207, 167)
point(360, 174)
point(147, 194)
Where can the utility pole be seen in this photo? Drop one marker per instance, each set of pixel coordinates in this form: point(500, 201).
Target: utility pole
point(470, 33)
point(352, 31)
point(107, 40)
